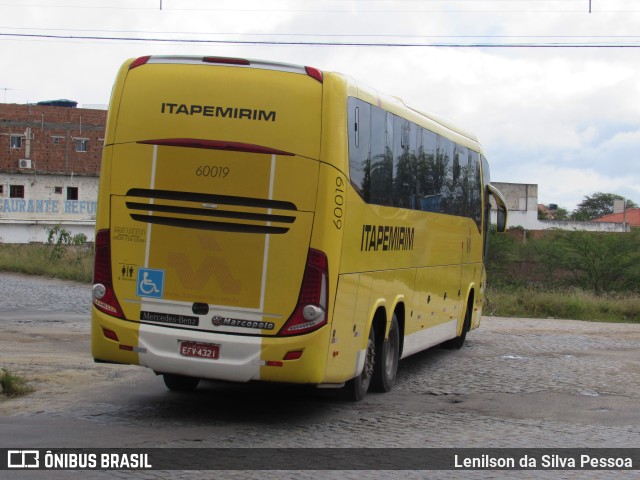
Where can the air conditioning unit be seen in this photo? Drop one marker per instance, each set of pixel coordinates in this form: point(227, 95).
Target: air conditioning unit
point(24, 163)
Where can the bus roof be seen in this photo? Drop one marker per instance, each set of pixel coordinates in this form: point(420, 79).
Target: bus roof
point(391, 103)
point(230, 61)
point(399, 107)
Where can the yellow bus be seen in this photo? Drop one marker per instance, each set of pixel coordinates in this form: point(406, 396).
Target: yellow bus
point(271, 222)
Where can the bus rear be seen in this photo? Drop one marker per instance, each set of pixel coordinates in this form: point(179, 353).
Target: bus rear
point(204, 260)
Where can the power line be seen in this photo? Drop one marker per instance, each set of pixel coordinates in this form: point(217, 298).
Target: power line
point(575, 6)
point(584, 38)
point(617, 44)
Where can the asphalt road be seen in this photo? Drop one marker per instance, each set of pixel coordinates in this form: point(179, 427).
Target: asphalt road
point(517, 383)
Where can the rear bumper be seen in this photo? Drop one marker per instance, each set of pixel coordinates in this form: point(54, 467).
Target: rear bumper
point(241, 358)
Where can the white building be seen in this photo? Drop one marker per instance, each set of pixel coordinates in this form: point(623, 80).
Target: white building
point(50, 156)
point(522, 203)
point(47, 201)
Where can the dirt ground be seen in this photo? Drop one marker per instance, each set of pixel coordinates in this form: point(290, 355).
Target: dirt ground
point(52, 352)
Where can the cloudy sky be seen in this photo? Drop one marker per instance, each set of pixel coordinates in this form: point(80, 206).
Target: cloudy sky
point(551, 89)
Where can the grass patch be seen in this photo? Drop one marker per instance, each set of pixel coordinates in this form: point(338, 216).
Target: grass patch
point(572, 304)
point(12, 385)
point(74, 263)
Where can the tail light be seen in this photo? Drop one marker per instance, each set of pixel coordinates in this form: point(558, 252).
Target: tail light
point(227, 60)
point(315, 73)
point(139, 61)
point(104, 298)
point(311, 310)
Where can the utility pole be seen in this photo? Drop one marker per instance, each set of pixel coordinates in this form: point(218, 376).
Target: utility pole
point(589, 5)
point(5, 93)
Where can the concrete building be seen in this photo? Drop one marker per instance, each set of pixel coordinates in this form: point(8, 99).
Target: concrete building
point(50, 155)
point(522, 202)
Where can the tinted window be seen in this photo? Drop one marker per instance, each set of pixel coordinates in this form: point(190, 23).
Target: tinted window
point(381, 185)
point(395, 162)
point(359, 146)
point(404, 163)
point(472, 188)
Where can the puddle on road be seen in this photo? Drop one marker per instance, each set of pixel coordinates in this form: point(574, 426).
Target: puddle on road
point(589, 393)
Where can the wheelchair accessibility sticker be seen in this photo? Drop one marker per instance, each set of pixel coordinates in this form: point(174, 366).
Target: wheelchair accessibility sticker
point(150, 283)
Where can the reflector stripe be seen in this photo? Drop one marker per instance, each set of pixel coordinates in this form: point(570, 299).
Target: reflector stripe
point(265, 260)
point(152, 185)
point(273, 363)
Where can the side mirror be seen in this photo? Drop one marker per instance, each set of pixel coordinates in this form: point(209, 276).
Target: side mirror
point(501, 223)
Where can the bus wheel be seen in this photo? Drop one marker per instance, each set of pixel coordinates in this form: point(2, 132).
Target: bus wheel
point(356, 388)
point(386, 366)
point(458, 342)
point(180, 383)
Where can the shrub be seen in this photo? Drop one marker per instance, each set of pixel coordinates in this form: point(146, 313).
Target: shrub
point(12, 385)
point(60, 240)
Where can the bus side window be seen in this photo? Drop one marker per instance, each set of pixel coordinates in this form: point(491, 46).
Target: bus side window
point(428, 197)
point(381, 158)
point(359, 131)
point(405, 164)
point(355, 128)
point(474, 190)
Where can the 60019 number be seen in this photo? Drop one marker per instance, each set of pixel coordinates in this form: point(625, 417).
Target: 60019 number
point(338, 203)
point(212, 171)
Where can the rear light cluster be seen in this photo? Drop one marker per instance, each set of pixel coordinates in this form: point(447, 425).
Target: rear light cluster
point(311, 310)
point(104, 298)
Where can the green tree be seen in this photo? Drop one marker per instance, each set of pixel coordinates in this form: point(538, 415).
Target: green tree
point(542, 214)
point(598, 205)
point(601, 262)
point(562, 214)
point(503, 251)
point(557, 214)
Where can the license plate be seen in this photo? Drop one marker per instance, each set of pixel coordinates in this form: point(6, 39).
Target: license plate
point(200, 350)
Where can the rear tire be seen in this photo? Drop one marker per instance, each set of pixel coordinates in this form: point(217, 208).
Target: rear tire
point(180, 383)
point(386, 364)
point(356, 388)
point(458, 342)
